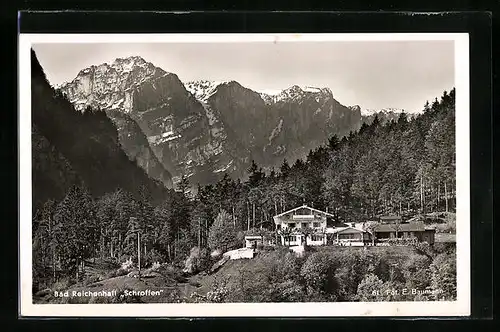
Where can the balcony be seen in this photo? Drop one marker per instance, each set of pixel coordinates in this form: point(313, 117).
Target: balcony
point(303, 216)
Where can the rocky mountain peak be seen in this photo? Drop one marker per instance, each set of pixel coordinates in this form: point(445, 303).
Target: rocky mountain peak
point(205, 127)
point(202, 89)
point(389, 110)
point(105, 86)
point(355, 108)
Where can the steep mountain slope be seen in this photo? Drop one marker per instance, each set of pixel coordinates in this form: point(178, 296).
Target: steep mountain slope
point(307, 117)
point(74, 145)
point(176, 125)
point(135, 144)
point(52, 173)
point(269, 128)
point(202, 129)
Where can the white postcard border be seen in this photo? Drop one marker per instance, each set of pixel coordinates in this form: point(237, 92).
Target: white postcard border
point(460, 307)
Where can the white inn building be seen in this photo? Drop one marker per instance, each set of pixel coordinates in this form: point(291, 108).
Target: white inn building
point(290, 225)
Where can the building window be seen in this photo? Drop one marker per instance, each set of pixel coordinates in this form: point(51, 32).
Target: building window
point(349, 236)
point(316, 224)
point(304, 225)
point(316, 237)
point(291, 225)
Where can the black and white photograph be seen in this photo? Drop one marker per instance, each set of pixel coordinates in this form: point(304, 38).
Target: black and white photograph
point(240, 174)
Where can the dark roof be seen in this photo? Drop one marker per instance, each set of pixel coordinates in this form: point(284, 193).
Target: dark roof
point(305, 207)
point(403, 227)
point(390, 217)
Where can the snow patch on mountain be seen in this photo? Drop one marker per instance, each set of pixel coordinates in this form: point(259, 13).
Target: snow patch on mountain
point(164, 137)
point(368, 112)
point(295, 93)
point(276, 130)
point(203, 89)
point(224, 168)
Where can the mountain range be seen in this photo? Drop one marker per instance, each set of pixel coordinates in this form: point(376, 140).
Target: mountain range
point(71, 148)
point(202, 129)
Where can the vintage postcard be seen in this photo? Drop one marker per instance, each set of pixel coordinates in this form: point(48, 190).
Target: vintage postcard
point(271, 175)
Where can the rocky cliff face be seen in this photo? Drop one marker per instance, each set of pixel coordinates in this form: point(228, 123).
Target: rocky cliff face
point(172, 120)
point(73, 148)
point(306, 118)
point(202, 129)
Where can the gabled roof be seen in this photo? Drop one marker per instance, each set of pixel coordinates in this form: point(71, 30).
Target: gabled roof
point(403, 227)
point(390, 217)
point(306, 207)
point(254, 237)
point(342, 229)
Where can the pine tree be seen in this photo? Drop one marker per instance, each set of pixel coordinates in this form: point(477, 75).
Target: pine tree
point(222, 234)
point(256, 175)
point(284, 169)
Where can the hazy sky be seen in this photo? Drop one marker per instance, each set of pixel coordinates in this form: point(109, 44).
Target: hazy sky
point(374, 75)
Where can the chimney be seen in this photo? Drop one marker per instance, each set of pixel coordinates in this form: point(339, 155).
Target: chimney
point(327, 209)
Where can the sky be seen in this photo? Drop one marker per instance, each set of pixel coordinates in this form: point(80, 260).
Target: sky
point(371, 74)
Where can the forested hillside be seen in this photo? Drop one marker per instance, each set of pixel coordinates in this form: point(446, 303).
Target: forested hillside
point(401, 167)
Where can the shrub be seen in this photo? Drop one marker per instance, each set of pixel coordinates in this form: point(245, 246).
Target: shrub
point(222, 234)
point(444, 277)
point(198, 260)
point(369, 288)
point(287, 291)
point(372, 289)
point(121, 272)
point(63, 284)
point(217, 294)
point(153, 256)
point(128, 264)
point(91, 280)
point(416, 271)
point(172, 272)
point(318, 273)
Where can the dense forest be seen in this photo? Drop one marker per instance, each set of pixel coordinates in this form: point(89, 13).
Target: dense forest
point(400, 167)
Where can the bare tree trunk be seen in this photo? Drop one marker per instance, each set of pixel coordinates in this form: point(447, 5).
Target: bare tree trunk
point(253, 214)
point(446, 196)
point(425, 202)
point(234, 219)
point(422, 193)
point(248, 216)
point(77, 268)
point(199, 233)
point(139, 253)
point(373, 206)
point(103, 245)
point(120, 244)
point(437, 198)
point(206, 232)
